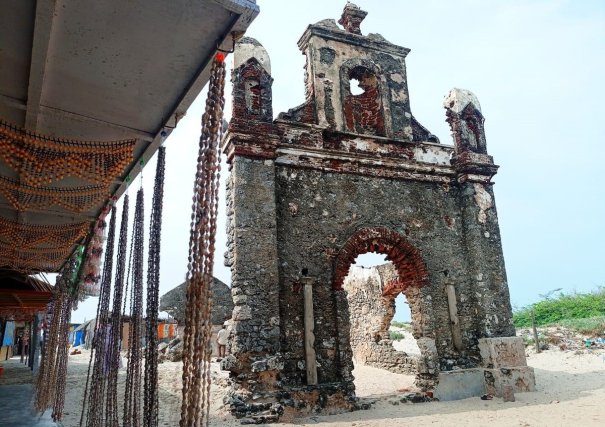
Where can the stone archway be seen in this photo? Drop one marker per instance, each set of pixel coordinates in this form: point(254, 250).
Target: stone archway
point(404, 256)
point(411, 277)
point(303, 199)
point(371, 311)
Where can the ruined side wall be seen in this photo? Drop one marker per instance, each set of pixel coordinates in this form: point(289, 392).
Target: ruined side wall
point(252, 254)
point(487, 271)
point(371, 315)
point(319, 211)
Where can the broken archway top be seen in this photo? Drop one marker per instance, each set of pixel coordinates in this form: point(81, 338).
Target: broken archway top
point(457, 100)
point(247, 48)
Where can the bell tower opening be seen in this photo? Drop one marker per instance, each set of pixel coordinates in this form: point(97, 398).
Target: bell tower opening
point(355, 87)
point(362, 102)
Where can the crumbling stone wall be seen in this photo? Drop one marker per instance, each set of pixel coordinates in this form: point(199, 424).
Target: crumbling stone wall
point(337, 177)
point(371, 311)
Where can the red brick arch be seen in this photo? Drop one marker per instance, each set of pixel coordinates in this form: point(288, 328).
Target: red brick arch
point(405, 258)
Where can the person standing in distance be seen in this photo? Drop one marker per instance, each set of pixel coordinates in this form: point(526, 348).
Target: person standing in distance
point(221, 339)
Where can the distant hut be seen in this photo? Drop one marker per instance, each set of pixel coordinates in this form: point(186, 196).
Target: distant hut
point(78, 336)
point(174, 302)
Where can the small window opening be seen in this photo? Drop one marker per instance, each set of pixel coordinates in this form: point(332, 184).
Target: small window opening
point(252, 96)
point(356, 88)
point(360, 80)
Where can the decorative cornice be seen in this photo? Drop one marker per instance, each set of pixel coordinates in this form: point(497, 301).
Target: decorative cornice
point(339, 162)
point(474, 167)
point(367, 42)
point(313, 147)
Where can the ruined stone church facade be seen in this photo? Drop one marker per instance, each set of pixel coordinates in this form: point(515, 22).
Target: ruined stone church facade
point(341, 175)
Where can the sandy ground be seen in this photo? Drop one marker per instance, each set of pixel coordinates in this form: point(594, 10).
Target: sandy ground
point(15, 372)
point(571, 392)
point(370, 382)
point(169, 376)
point(408, 344)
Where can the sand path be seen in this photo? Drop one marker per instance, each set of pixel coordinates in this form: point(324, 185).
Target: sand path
point(571, 392)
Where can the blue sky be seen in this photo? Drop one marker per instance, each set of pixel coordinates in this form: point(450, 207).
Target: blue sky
point(537, 68)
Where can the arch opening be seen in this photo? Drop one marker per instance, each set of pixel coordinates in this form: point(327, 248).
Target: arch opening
point(396, 249)
point(378, 348)
point(374, 268)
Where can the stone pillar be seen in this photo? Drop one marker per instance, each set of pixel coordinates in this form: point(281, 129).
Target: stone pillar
point(485, 259)
point(481, 233)
point(310, 357)
point(251, 212)
point(254, 263)
point(455, 323)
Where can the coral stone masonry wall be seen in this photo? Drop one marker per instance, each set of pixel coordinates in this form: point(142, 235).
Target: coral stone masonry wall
point(339, 176)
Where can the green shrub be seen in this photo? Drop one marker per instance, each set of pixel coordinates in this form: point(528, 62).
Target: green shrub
point(403, 325)
point(591, 326)
point(396, 336)
point(564, 306)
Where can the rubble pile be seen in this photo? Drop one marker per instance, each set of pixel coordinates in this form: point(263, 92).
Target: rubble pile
point(171, 352)
point(565, 339)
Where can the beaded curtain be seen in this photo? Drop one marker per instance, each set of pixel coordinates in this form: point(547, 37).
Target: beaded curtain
point(197, 350)
point(43, 159)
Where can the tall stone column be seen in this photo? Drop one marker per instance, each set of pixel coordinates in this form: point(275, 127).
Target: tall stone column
point(481, 232)
point(253, 260)
point(249, 144)
point(486, 259)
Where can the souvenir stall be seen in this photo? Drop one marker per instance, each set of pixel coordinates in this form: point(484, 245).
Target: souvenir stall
point(81, 112)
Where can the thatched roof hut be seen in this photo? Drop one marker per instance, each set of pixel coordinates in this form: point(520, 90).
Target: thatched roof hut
point(174, 302)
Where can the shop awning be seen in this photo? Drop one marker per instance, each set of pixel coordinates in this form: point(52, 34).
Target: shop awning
point(76, 74)
point(21, 295)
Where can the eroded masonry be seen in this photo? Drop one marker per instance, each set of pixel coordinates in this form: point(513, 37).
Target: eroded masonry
point(341, 175)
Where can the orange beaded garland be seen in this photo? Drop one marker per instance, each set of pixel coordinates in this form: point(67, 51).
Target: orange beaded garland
point(43, 159)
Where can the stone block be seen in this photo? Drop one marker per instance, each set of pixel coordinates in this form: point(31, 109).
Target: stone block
point(521, 379)
point(259, 366)
point(504, 352)
point(508, 393)
point(460, 384)
point(230, 363)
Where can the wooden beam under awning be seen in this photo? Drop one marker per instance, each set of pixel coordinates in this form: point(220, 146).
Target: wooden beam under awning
point(19, 299)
